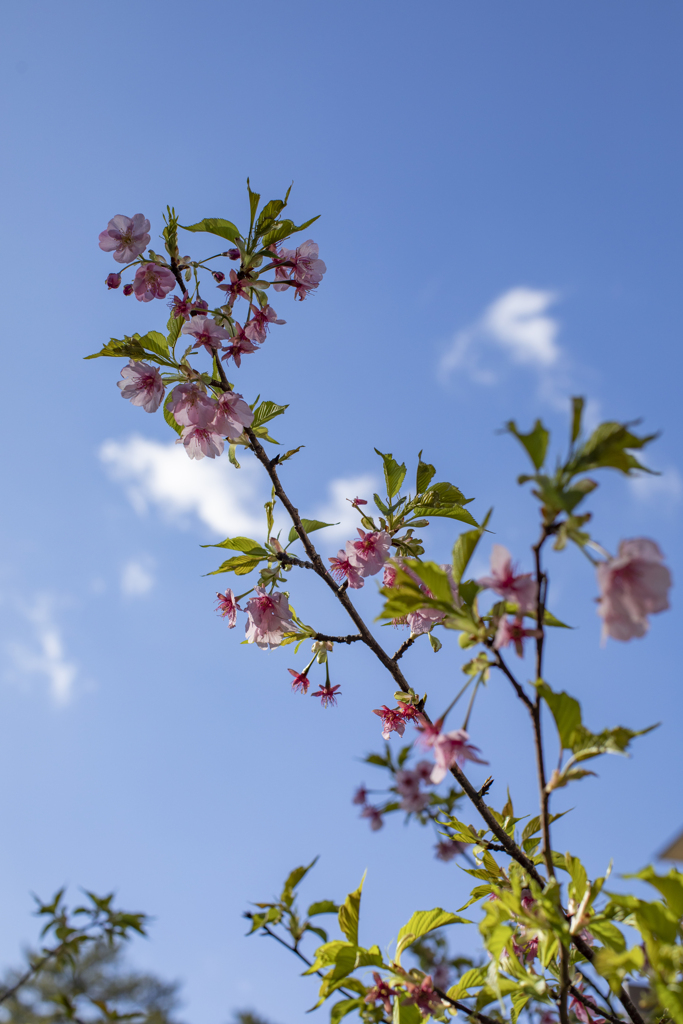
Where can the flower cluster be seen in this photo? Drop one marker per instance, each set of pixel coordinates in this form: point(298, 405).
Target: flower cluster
point(361, 558)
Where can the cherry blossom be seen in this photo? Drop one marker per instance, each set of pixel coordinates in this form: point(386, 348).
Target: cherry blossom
point(447, 849)
point(374, 814)
point(327, 695)
point(232, 415)
point(526, 951)
point(369, 554)
point(408, 786)
point(206, 332)
point(269, 618)
point(142, 385)
point(633, 585)
point(359, 501)
point(423, 996)
point(257, 328)
point(423, 620)
point(125, 237)
point(300, 682)
point(218, 276)
point(360, 796)
point(513, 632)
point(201, 441)
point(381, 992)
point(238, 287)
point(449, 748)
point(183, 306)
point(306, 268)
point(342, 569)
point(239, 346)
point(153, 282)
point(191, 406)
point(113, 281)
point(392, 720)
point(389, 576)
point(227, 606)
point(520, 589)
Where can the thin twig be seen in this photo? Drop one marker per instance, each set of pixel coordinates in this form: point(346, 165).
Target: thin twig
point(591, 1005)
point(404, 647)
point(500, 663)
point(351, 639)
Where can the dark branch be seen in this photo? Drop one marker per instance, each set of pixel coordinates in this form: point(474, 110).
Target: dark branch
point(404, 647)
point(351, 639)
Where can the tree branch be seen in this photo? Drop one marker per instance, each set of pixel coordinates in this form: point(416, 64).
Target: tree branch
point(404, 647)
point(351, 639)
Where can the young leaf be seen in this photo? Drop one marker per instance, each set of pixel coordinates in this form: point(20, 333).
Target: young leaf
point(215, 226)
point(394, 474)
point(608, 447)
point(535, 442)
point(577, 413)
point(240, 565)
point(565, 710)
point(254, 199)
point(422, 922)
point(349, 914)
point(267, 411)
point(129, 348)
point(169, 417)
point(425, 472)
point(293, 880)
point(464, 548)
point(310, 526)
point(322, 907)
point(246, 544)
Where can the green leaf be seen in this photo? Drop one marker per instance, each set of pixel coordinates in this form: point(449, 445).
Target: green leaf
point(670, 886)
point(577, 413)
point(283, 229)
point(241, 565)
point(435, 642)
point(310, 526)
point(174, 327)
point(394, 474)
point(245, 544)
point(322, 907)
point(425, 472)
point(406, 1013)
point(156, 342)
point(215, 226)
point(565, 710)
point(615, 966)
point(270, 212)
point(608, 447)
point(422, 922)
point(267, 411)
point(169, 417)
point(293, 879)
point(464, 548)
point(349, 913)
point(343, 1007)
point(254, 199)
point(535, 442)
point(608, 933)
point(129, 348)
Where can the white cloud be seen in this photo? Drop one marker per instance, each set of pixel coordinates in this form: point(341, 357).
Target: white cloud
point(223, 498)
point(515, 325)
point(47, 655)
point(666, 489)
point(339, 510)
point(136, 579)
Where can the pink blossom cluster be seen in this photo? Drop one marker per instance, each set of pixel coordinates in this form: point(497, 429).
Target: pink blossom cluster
point(413, 799)
point(206, 421)
point(519, 589)
point(447, 850)
point(300, 268)
point(381, 992)
point(374, 814)
point(361, 558)
point(512, 631)
point(269, 618)
point(633, 585)
point(424, 997)
point(228, 607)
point(394, 719)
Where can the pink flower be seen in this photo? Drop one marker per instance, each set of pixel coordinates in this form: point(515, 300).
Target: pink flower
point(201, 441)
point(113, 281)
point(227, 605)
point(257, 327)
point(452, 748)
point(392, 720)
point(327, 695)
point(191, 406)
point(441, 976)
point(424, 770)
point(233, 254)
point(306, 268)
point(369, 554)
point(513, 632)
point(183, 306)
point(269, 618)
point(447, 849)
point(527, 951)
point(389, 576)
point(633, 585)
point(360, 796)
point(374, 814)
point(359, 501)
point(152, 282)
point(232, 415)
point(142, 385)
point(381, 992)
point(423, 996)
point(520, 589)
point(128, 289)
point(342, 569)
point(206, 332)
point(300, 682)
point(126, 237)
point(408, 786)
point(239, 345)
point(238, 287)
point(423, 620)
point(218, 276)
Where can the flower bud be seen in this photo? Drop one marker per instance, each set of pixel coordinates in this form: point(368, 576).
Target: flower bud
point(128, 289)
point(233, 254)
point(113, 281)
point(218, 276)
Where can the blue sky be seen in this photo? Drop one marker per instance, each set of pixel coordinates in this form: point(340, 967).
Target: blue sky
point(499, 187)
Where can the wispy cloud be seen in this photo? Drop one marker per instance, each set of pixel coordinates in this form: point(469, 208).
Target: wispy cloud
point(516, 328)
point(46, 655)
point(338, 508)
point(223, 498)
point(136, 578)
point(665, 490)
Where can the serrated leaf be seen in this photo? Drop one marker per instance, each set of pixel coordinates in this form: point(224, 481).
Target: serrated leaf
point(245, 544)
point(394, 474)
point(241, 565)
point(421, 923)
point(310, 526)
point(155, 342)
point(267, 411)
point(349, 914)
point(322, 907)
point(215, 226)
point(608, 447)
point(535, 442)
point(129, 348)
point(293, 879)
point(343, 1007)
point(465, 546)
point(170, 418)
point(425, 473)
point(565, 710)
